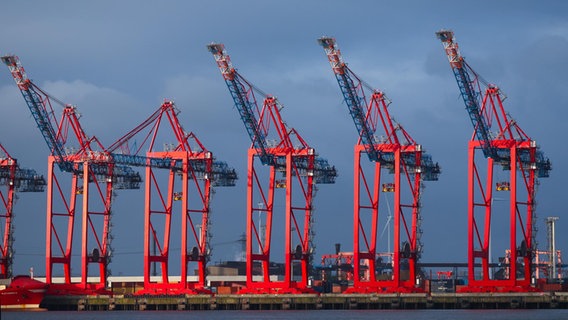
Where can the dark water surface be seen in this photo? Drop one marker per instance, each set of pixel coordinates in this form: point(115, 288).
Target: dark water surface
point(293, 314)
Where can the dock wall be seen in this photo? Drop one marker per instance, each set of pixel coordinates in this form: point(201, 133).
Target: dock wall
point(544, 300)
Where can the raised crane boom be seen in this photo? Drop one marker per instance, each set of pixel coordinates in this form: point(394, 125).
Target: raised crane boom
point(243, 96)
point(470, 88)
point(244, 99)
point(39, 103)
point(353, 90)
point(40, 108)
point(470, 94)
point(354, 95)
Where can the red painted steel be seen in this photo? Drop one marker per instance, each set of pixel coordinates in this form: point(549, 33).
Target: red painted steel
point(89, 199)
point(290, 156)
point(15, 180)
point(396, 166)
point(521, 200)
point(61, 214)
point(406, 209)
point(10, 165)
point(96, 172)
point(507, 146)
point(297, 213)
point(92, 174)
point(193, 215)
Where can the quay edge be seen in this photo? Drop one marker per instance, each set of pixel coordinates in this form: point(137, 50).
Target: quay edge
point(540, 300)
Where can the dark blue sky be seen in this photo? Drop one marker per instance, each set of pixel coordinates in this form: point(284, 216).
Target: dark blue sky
point(117, 61)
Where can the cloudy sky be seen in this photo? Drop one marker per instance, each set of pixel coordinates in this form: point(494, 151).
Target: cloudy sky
point(118, 60)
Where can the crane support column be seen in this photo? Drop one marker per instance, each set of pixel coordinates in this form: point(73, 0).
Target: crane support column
point(16, 180)
point(182, 192)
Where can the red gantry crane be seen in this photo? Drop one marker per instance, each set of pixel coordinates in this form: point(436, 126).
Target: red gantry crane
point(15, 179)
point(95, 174)
point(406, 165)
point(186, 191)
point(286, 154)
point(503, 144)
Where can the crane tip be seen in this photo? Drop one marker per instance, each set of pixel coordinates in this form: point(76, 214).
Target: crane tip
point(445, 35)
point(326, 42)
point(215, 47)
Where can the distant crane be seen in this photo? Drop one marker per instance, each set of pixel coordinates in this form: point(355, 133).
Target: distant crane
point(503, 143)
point(90, 165)
point(399, 155)
point(15, 179)
point(187, 191)
point(289, 155)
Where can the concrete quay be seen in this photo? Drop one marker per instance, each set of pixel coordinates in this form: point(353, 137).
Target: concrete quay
point(533, 300)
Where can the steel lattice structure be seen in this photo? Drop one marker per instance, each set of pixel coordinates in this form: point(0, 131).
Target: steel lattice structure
point(94, 175)
point(93, 167)
point(396, 154)
point(503, 144)
point(167, 196)
point(15, 179)
point(300, 168)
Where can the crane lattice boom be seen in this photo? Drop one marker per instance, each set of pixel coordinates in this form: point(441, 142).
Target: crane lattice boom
point(40, 105)
point(353, 90)
point(470, 86)
point(245, 101)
